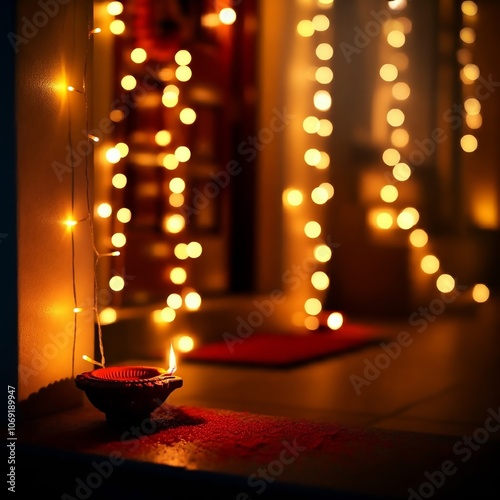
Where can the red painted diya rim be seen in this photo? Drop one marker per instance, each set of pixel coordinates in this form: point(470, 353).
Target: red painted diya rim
point(125, 376)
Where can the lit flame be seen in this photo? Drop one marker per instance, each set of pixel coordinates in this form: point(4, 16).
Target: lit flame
point(172, 365)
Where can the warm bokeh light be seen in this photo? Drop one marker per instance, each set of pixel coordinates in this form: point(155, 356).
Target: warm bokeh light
point(322, 100)
point(388, 72)
point(445, 283)
point(384, 220)
point(117, 283)
point(183, 57)
point(192, 301)
point(305, 28)
point(107, 316)
point(389, 193)
point(104, 210)
point(471, 71)
point(319, 195)
point(183, 73)
point(119, 181)
point(321, 22)
point(401, 91)
point(227, 16)
point(187, 116)
point(429, 264)
point(418, 238)
point(124, 215)
point(185, 344)
point(114, 8)
point(312, 229)
point(194, 249)
point(113, 155)
point(396, 39)
point(391, 156)
point(472, 106)
point(178, 275)
point(328, 188)
point(170, 162)
point(469, 8)
point(400, 137)
point(395, 117)
point(311, 124)
point(116, 115)
point(408, 218)
point(468, 143)
point(167, 314)
point(180, 251)
point(401, 172)
point(176, 200)
point(138, 55)
point(324, 75)
point(335, 320)
point(480, 293)
point(118, 240)
point(313, 306)
point(322, 253)
point(474, 121)
point(182, 153)
point(174, 300)
point(170, 99)
point(117, 27)
point(293, 197)
point(312, 157)
point(324, 51)
point(174, 223)
point(128, 82)
point(163, 137)
point(311, 323)
point(467, 35)
point(123, 149)
point(177, 185)
point(325, 128)
point(320, 280)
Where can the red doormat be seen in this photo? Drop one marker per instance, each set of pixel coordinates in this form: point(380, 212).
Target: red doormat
point(282, 350)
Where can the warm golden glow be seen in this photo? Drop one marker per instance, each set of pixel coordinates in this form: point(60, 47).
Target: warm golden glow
point(163, 137)
point(311, 124)
point(293, 197)
point(178, 275)
point(312, 157)
point(313, 306)
point(468, 143)
point(395, 117)
point(193, 301)
point(90, 360)
point(408, 218)
point(389, 193)
point(174, 223)
point(116, 283)
point(398, 4)
point(210, 20)
point(183, 57)
point(305, 28)
point(194, 249)
point(119, 181)
point(114, 8)
point(182, 153)
point(128, 82)
point(401, 91)
point(122, 148)
point(418, 238)
point(328, 187)
point(322, 253)
point(324, 75)
point(322, 100)
point(113, 155)
point(167, 314)
point(445, 283)
point(469, 8)
point(117, 115)
point(388, 72)
point(104, 210)
point(227, 16)
point(429, 264)
point(170, 162)
point(170, 99)
point(335, 320)
point(472, 106)
point(176, 200)
point(467, 35)
point(396, 39)
point(311, 323)
point(185, 344)
point(124, 215)
point(180, 251)
point(321, 22)
point(320, 280)
point(117, 27)
point(391, 156)
point(172, 363)
point(474, 121)
point(480, 293)
point(187, 116)
point(107, 316)
point(471, 71)
point(325, 128)
point(312, 229)
point(177, 185)
point(138, 55)
point(324, 161)
point(183, 73)
point(324, 51)
point(400, 138)
point(118, 240)
point(319, 195)
point(401, 172)
point(174, 300)
point(384, 220)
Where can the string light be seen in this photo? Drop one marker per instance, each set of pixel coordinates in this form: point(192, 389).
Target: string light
point(93, 361)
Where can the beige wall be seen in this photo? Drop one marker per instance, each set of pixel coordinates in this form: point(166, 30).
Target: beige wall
point(48, 60)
